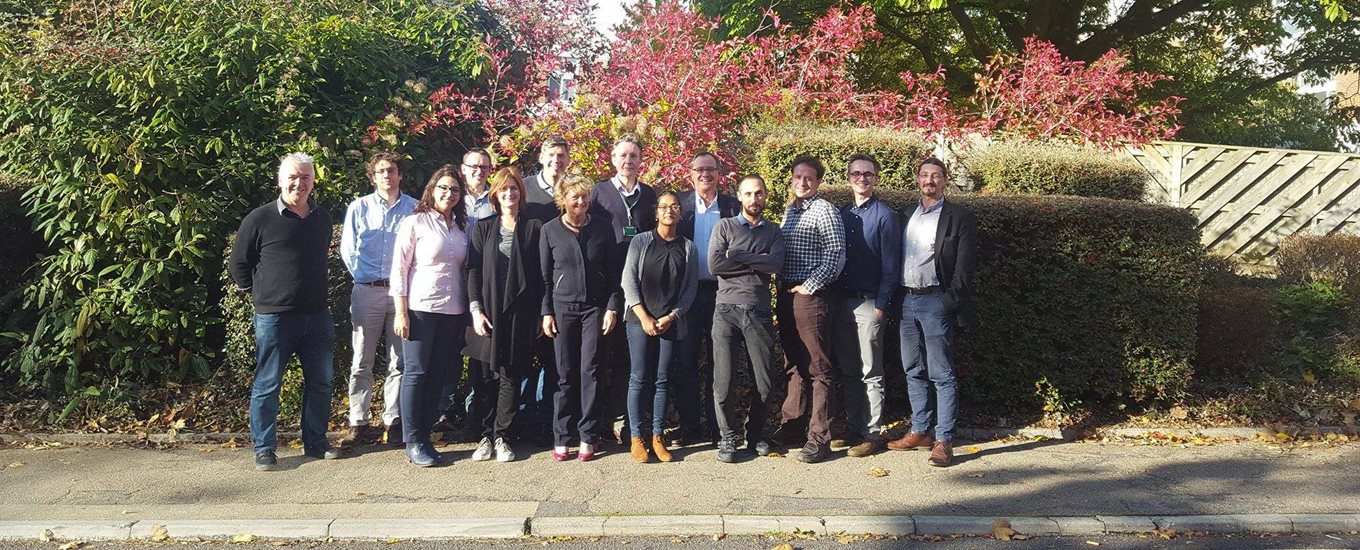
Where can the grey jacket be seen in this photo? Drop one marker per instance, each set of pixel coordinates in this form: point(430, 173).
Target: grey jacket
point(632, 277)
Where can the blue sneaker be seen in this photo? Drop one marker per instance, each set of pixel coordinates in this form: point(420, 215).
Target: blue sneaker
point(419, 455)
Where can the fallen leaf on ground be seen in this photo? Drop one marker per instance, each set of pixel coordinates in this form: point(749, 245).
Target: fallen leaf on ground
point(1001, 529)
point(1309, 377)
point(1179, 413)
point(1167, 534)
point(1355, 403)
point(774, 454)
point(73, 545)
point(719, 537)
point(971, 450)
point(16, 464)
point(392, 541)
point(159, 534)
point(1021, 537)
point(244, 537)
point(785, 546)
point(46, 535)
point(878, 472)
point(1092, 543)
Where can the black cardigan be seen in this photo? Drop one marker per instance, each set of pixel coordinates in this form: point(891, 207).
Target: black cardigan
point(512, 303)
point(581, 271)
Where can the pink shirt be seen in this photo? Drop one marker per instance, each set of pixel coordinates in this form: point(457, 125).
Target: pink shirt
point(429, 264)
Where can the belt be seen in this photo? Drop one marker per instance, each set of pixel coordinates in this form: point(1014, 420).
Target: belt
point(378, 283)
point(922, 290)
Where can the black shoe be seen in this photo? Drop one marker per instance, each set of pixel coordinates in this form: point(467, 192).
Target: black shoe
point(328, 453)
point(788, 435)
point(394, 434)
point(419, 455)
point(727, 451)
point(813, 453)
point(760, 447)
point(266, 461)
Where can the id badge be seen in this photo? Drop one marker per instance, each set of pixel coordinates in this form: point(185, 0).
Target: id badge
point(629, 231)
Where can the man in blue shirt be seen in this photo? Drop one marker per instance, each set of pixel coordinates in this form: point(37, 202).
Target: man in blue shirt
point(700, 210)
point(866, 286)
point(366, 243)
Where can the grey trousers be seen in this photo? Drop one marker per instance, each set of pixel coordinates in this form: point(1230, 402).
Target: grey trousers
point(858, 352)
point(372, 314)
point(735, 326)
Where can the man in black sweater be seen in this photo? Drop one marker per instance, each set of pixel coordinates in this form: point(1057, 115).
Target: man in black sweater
point(279, 258)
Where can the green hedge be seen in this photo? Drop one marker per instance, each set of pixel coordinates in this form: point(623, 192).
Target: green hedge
point(1038, 169)
point(1083, 304)
point(773, 148)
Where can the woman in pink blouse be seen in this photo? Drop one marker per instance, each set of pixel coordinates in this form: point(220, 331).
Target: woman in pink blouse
point(427, 286)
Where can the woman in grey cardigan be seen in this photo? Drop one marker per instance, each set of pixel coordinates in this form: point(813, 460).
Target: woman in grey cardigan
point(660, 277)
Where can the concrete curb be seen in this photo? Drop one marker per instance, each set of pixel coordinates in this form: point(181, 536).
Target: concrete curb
point(693, 525)
point(974, 434)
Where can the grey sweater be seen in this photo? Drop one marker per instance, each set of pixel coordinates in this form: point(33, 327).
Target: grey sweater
point(744, 258)
point(632, 276)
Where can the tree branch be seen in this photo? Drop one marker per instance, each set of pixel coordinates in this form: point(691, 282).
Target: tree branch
point(1138, 21)
point(970, 34)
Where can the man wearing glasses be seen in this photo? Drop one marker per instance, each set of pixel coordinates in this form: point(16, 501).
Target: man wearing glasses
point(700, 210)
point(866, 287)
point(477, 168)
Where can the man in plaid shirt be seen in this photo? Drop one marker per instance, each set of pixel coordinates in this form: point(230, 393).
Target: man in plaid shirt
point(814, 252)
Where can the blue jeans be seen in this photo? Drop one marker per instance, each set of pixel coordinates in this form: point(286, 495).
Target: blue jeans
point(648, 380)
point(278, 338)
point(432, 355)
point(928, 357)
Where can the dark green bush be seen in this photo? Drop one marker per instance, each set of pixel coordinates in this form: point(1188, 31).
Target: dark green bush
point(773, 148)
point(1040, 169)
point(152, 126)
point(1088, 301)
point(1330, 259)
point(1236, 329)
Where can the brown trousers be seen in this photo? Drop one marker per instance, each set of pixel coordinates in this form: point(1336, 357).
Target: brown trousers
point(805, 333)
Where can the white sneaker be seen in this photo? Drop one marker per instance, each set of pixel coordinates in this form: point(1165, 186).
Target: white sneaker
point(483, 451)
point(503, 452)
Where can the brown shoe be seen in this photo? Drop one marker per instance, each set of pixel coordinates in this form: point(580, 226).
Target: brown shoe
point(910, 441)
point(942, 455)
point(868, 447)
point(659, 449)
point(357, 435)
point(639, 450)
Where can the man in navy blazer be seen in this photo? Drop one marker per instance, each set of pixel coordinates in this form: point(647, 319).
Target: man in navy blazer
point(555, 157)
point(939, 246)
point(700, 210)
point(630, 206)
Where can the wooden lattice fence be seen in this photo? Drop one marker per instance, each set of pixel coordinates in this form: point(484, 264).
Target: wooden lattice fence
point(1249, 199)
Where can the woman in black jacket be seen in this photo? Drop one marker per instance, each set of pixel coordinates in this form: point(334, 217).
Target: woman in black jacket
point(580, 262)
point(505, 290)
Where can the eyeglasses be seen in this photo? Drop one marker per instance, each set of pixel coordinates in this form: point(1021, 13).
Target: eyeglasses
point(477, 167)
point(704, 170)
point(447, 188)
point(863, 175)
point(668, 208)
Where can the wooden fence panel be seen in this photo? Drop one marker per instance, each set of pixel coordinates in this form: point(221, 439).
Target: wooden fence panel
point(1248, 199)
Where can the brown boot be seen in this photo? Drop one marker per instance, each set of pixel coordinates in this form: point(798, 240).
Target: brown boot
point(659, 449)
point(942, 455)
point(638, 450)
point(357, 435)
point(910, 441)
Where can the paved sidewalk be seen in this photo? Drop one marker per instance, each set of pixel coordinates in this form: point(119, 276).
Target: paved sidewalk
point(1087, 487)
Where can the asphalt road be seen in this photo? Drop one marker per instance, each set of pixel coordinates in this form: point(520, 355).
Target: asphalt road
point(1239, 542)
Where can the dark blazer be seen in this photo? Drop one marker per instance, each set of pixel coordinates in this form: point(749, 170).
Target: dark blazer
point(728, 206)
point(607, 203)
point(534, 193)
point(581, 269)
point(511, 303)
point(956, 259)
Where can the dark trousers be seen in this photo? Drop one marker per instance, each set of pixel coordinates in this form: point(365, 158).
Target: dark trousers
point(536, 394)
point(576, 405)
point(616, 366)
point(805, 332)
point(733, 327)
point(648, 381)
point(691, 391)
point(432, 355)
point(493, 403)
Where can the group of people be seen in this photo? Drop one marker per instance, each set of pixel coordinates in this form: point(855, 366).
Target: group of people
point(553, 287)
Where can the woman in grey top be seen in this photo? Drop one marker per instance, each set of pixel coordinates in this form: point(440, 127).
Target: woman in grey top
point(505, 289)
point(660, 277)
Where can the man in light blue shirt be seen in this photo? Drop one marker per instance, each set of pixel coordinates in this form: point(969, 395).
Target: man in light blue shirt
point(366, 243)
point(477, 168)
